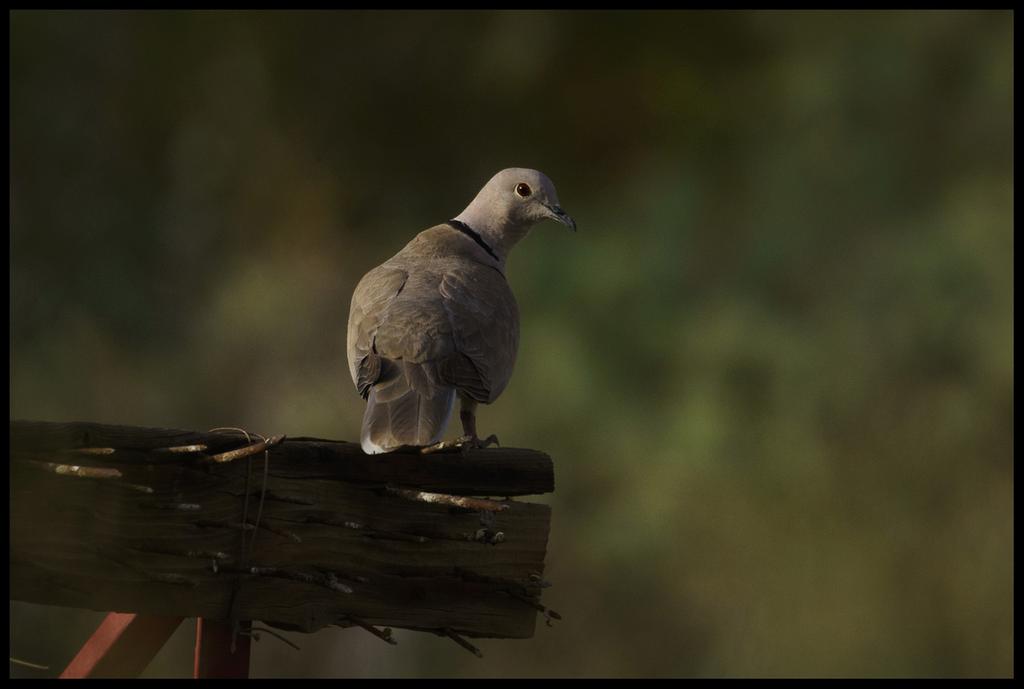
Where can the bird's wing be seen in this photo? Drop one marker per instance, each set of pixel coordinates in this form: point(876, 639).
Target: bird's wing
point(399, 332)
point(371, 302)
point(457, 321)
point(485, 329)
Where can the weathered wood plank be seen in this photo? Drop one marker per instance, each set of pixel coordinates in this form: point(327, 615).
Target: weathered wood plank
point(160, 532)
point(491, 471)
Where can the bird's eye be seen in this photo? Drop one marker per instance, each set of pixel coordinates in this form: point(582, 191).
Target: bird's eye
point(523, 189)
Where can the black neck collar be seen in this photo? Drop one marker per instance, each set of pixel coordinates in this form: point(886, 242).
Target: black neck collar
point(475, 236)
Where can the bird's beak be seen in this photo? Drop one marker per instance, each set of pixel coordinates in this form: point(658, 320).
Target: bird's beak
point(556, 213)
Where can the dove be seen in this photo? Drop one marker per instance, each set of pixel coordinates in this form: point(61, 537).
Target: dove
point(438, 321)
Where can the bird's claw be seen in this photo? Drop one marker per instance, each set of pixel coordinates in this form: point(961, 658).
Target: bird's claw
point(438, 447)
point(465, 442)
point(488, 441)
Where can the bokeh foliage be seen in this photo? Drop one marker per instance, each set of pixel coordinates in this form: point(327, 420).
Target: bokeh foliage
point(774, 367)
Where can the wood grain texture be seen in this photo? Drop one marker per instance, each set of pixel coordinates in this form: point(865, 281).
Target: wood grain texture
point(336, 544)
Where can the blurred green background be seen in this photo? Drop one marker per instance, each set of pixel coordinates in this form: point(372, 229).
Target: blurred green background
point(774, 367)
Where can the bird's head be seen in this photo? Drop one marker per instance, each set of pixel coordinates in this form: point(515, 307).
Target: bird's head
point(526, 197)
point(512, 202)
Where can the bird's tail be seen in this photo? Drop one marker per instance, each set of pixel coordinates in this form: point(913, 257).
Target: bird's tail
point(406, 406)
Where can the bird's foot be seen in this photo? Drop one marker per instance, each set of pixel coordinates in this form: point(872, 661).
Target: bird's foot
point(465, 442)
point(475, 442)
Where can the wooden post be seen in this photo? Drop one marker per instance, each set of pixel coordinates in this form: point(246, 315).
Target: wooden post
point(299, 533)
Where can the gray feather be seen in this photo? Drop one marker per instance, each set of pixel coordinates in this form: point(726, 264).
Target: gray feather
point(401, 411)
point(437, 318)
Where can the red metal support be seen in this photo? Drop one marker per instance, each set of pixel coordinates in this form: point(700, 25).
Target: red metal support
point(213, 656)
point(122, 646)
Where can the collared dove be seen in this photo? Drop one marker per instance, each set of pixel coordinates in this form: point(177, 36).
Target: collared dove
point(438, 319)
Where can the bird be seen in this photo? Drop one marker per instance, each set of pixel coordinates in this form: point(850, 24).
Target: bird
point(438, 321)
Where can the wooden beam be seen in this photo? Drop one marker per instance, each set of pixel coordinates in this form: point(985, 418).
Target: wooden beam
point(491, 471)
point(123, 518)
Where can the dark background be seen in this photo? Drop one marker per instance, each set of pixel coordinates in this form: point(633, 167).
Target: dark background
point(774, 367)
